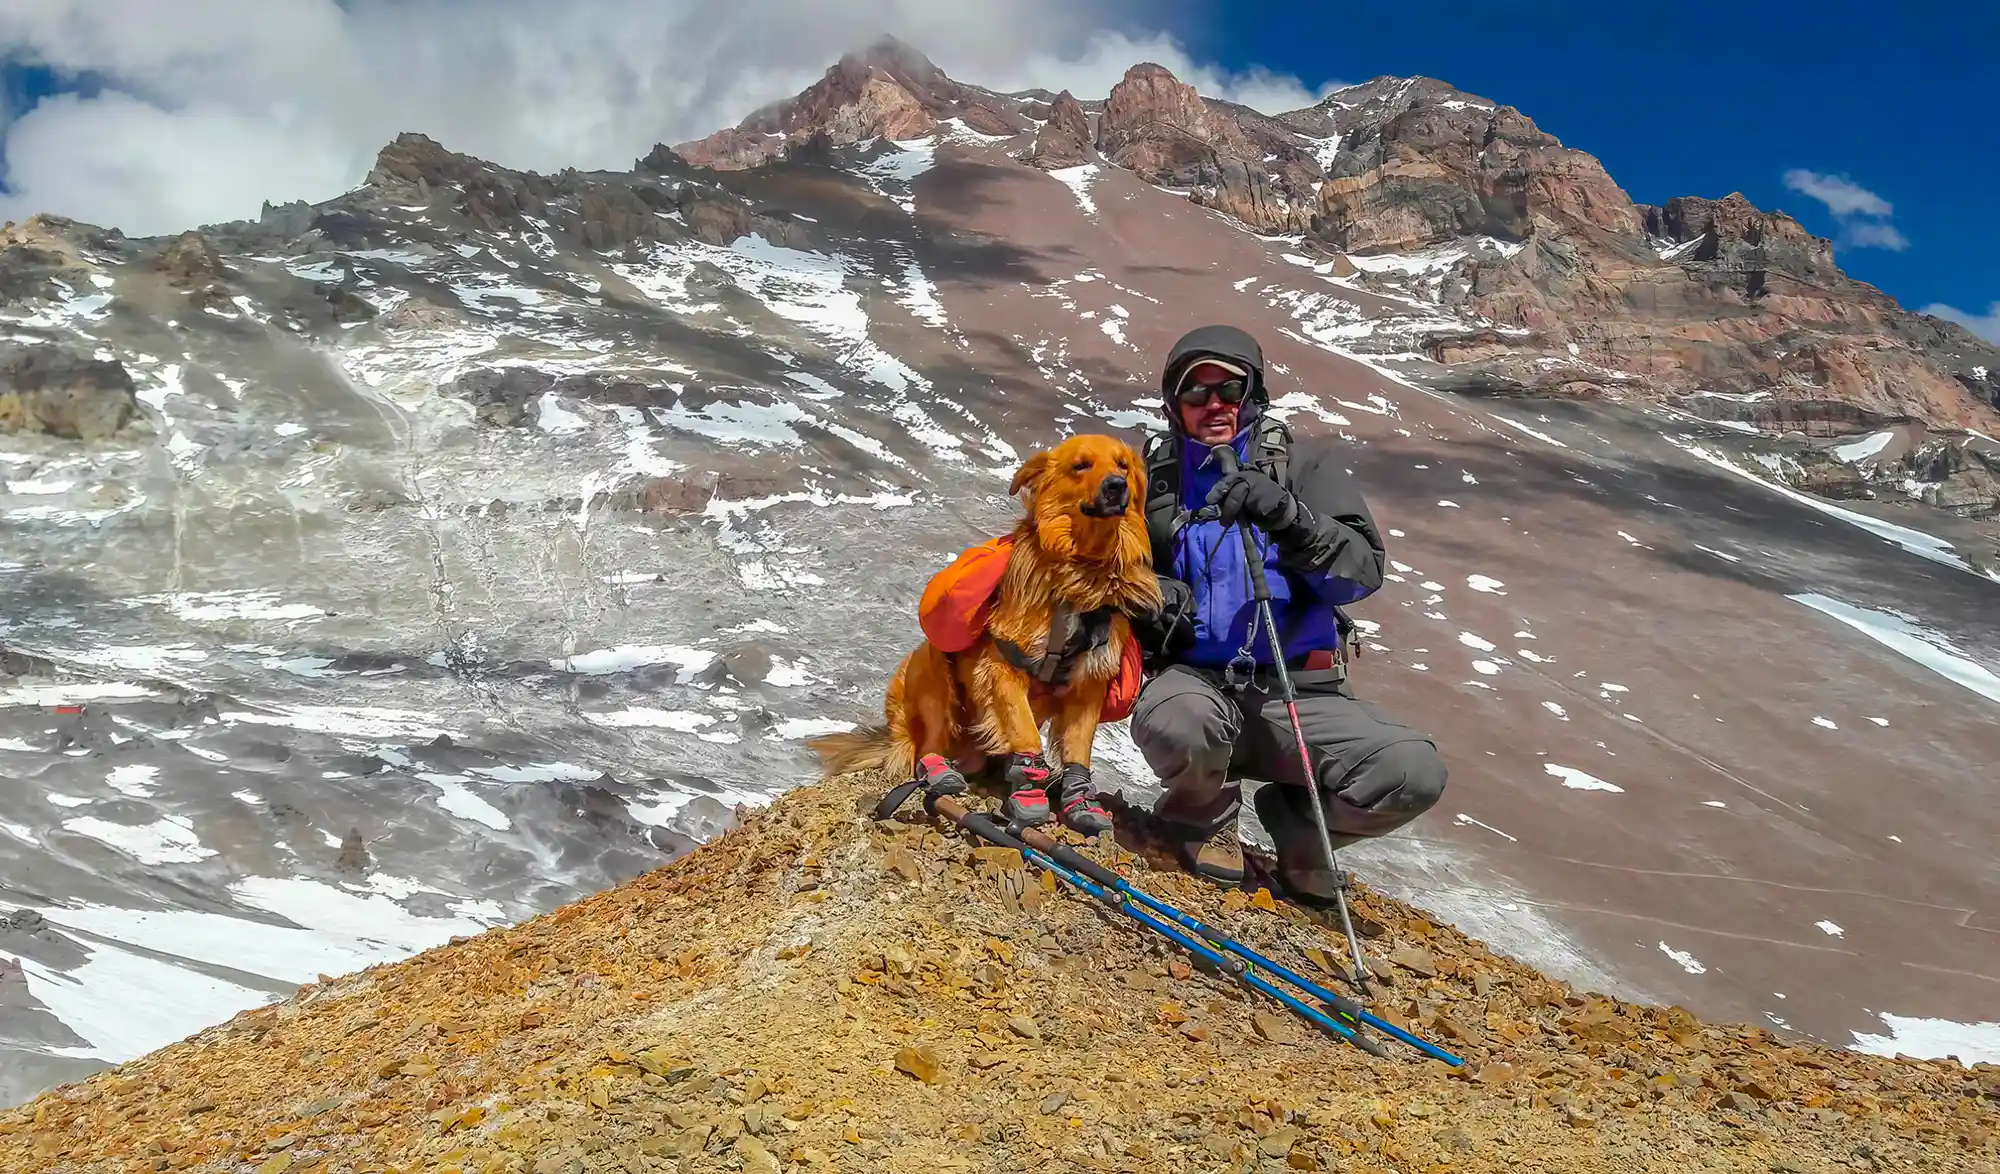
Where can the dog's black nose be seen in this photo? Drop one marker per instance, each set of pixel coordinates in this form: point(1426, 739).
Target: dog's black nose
point(1113, 492)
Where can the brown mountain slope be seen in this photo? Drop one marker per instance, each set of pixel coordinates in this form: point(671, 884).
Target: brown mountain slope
point(1598, 294)
point(817, 992)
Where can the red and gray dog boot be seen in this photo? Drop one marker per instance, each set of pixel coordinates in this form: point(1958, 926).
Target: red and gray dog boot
point(1081, 811)
point(1027, 803)
point(939, 777)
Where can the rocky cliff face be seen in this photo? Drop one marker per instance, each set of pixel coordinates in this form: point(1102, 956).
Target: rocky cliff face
point(1576, 290)
point(1229, 158)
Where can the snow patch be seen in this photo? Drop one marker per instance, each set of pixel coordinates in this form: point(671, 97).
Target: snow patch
point(1867, 446)
point(646, 717)
point(1469, 821)
point(808, 727)
point(1915, 541)
point(352, 720)
point(626, 657)
point(134, 779)
point(1079, 179)
point(1520, 427)
point(1903, 634)
point(1578, 780)
point(168, 840)
point(1933, 1039)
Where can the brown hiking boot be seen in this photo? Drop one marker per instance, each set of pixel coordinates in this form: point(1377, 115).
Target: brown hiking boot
point(1300, 867)
point(1216, 857)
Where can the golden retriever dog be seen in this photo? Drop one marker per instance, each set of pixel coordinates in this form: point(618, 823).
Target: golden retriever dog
point(1079, 562)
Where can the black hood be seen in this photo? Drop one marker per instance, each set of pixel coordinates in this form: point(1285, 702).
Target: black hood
point(1222, 342)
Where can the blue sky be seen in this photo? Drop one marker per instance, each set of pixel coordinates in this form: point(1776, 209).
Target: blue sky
point(1704, 98)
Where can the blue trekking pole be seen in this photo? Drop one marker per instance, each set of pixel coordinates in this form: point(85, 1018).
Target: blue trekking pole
point(986, 827)
point(1225, 456)
point(1069, 858)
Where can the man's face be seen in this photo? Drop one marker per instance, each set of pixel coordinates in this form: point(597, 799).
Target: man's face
point(1208, 419)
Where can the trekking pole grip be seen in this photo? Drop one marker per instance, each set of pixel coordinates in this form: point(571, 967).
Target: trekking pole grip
point(1225, 456)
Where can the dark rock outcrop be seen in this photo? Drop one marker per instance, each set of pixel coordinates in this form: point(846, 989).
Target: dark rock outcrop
point(614, 217)
point(191, 260)
point(1229, 157)
point(714, 215)
point(48, 389)
point(1155, 126)
point(414, 165)
point(1064, 138)
point(662, 160)
point(501, 396)
point(1420, 162)
point(42, 259)
point(1734, 234)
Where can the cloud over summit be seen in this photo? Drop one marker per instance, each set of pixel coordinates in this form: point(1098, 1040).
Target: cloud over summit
point(227, 103)
point(1862, 215)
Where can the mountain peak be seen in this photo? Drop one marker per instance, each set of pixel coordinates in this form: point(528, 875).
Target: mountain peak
point(887, 89)
point(894, 56)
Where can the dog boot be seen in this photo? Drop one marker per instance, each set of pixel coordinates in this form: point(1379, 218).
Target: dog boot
point(1027, 803)
point(1081, 811)
point(939, 777)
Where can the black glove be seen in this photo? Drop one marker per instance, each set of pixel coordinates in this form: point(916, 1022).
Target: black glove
point(1252, 496)
point(1167, 631)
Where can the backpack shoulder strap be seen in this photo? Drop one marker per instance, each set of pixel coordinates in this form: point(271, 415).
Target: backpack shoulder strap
point(1162, 456)
point(1274, 449)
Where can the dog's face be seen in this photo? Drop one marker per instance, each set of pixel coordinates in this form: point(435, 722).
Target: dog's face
point(1087, 497)
point(1092, 476)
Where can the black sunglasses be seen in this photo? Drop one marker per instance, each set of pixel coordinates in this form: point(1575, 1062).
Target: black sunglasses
point(1229, 391)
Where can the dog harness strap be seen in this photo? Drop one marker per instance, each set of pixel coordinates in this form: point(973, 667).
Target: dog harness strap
point(1072, 635)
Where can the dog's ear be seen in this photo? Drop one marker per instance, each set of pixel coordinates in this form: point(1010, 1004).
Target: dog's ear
point(1031, 471)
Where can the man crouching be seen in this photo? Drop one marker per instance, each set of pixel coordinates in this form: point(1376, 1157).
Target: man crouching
point(1321, 550)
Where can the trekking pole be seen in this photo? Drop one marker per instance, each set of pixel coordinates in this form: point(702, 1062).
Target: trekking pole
point(1077, 862)
point(986, 827)
point(1225, 456)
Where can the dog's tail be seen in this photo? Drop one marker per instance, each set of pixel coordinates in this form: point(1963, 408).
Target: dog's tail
point(867, 748)
point(919, 716)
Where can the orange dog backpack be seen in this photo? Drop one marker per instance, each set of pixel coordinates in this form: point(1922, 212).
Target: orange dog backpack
point(958, 602)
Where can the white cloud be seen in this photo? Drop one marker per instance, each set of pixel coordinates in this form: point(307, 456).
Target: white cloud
point(1090, 69)
point(1862, 215)
point(1986, 326)
point(1842, 196)
point(230, 103)
point(1866, 234)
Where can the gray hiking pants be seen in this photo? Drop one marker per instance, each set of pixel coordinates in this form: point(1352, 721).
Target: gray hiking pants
point(1376, 773)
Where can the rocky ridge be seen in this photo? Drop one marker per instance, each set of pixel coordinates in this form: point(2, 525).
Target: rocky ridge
point(1474, 211)
point(815, 992)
